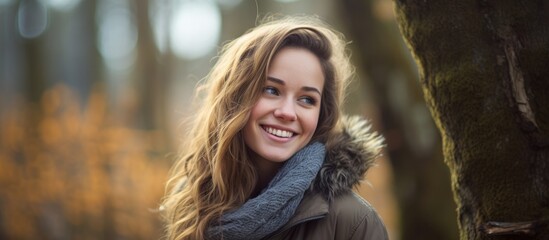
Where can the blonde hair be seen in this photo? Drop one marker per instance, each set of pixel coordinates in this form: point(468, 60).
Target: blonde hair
point(215, 174)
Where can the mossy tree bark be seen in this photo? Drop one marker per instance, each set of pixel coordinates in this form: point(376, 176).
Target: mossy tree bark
point(422, 183)
point(484, 69)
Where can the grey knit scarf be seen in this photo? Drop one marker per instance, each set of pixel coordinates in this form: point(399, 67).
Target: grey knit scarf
point(276, 204)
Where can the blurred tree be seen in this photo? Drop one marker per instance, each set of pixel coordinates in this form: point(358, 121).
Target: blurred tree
point(153, 72)
point(28, 17)
point(483, 68)
point(422, 182)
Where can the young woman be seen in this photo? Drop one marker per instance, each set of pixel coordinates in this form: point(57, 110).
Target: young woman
point(269, 155)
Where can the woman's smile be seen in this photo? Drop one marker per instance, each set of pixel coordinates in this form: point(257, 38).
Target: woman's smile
point(281, 133)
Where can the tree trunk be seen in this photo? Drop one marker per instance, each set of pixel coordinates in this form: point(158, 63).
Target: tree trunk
point(484, 70)
point(422, 184)
point(151, 84)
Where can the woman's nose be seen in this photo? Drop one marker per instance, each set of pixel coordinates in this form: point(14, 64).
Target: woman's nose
point(286, 111)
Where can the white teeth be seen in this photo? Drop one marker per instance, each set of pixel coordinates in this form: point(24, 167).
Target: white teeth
point(278, 132)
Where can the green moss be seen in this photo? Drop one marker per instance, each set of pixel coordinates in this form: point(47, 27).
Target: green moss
point(466, 84)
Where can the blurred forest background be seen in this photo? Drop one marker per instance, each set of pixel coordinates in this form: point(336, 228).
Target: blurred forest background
point(93, 93)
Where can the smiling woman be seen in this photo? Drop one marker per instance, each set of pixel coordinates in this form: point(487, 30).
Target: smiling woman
point(285, 117)
point(269, 155)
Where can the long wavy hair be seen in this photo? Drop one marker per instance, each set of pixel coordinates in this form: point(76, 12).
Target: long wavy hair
point(215, 173)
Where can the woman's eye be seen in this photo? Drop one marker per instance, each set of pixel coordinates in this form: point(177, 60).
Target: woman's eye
point(308, 100)
point(271, 91)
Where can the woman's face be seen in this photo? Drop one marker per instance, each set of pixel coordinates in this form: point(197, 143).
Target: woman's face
point(285, 117)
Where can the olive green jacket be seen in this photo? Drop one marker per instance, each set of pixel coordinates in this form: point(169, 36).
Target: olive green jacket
point(347, 217)
point(330, 209)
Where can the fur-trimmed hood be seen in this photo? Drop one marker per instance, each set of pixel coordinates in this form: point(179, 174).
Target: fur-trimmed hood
point(348, 157)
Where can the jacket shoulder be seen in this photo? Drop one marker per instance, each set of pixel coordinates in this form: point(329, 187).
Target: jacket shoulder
point(355, 218)
point(347, 216)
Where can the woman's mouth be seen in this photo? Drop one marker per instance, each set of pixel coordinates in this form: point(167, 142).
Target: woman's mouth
point(278, 132)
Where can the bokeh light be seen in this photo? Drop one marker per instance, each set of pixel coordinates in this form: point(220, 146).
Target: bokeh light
point(195, 29)
point(159, 18)
point(32, 18)
point(62, 5)
point(117, 36)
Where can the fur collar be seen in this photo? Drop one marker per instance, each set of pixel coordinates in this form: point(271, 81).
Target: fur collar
point(350, 155)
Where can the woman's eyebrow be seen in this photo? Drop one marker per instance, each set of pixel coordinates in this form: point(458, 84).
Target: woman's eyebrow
point(276, 80)
point(311, 89)
point(305, 88)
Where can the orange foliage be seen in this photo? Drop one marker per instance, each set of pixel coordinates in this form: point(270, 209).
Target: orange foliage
point(68, 172)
